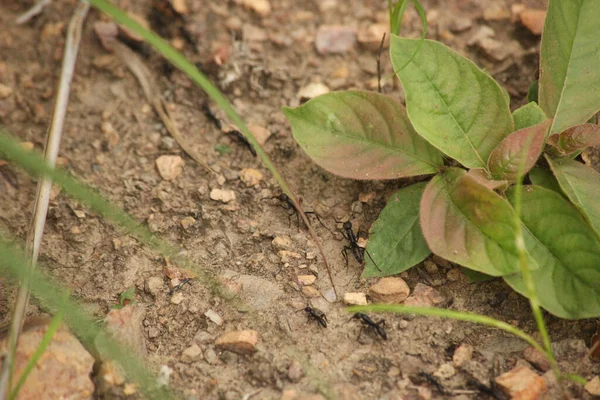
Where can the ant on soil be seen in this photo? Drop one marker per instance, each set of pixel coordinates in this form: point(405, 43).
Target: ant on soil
point(316, 315)
point(369, 323)
point(288, 204)
point(234, 133)
point(433, 380)
point(357, 251)
point(180, 285)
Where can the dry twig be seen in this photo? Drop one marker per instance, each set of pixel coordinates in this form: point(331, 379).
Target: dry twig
point(36, 230)
point(144, 77)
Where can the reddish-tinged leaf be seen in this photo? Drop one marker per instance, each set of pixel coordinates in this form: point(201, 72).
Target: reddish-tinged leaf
point(482, 177)
point(506, 159)
point(576, 138)
point(465, 222)
point(362, 135)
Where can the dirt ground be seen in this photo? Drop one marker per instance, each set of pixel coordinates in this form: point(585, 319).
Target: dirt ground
point(113, 138)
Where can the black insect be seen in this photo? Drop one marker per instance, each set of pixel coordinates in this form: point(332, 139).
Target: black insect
point(237, 135)
point(433, 380)
point(369, 323)
point(288, 204)
point(357, 251)
point(316, 315)
point(180, 285)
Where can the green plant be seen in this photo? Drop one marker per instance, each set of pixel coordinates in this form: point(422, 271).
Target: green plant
point(466, 214)
point(125, 298)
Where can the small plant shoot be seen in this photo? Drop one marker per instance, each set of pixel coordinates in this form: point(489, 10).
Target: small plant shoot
point(466, 212)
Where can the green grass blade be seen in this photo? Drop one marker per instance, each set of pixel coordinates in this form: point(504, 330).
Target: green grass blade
point(449, 314)
point(44, 343)
point(534, 301)
point(33, 164)
point(55, 298)
point(179, 61)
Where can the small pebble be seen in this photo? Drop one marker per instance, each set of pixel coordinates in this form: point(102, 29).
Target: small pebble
point(210, 356)
point(282, 243)
point(5, 91)
point(333, 39)
point(240, 342)
point(191, 354)
point(533, 20)
point(358, 299)
point(295, 371)
point(537, 358)
point(430, 266)
point(445, 371)
point(366, 197)
point(176, 298)
point(154, 285)
point(251, 177)
point(214, 317)
point(169, 167)
point(187, 222)
point(453, 275)
point(260, 133)
point(370, 36)
point(425, 296)
point(229, 357)
point(224, 196)
point(311, 291)
point(462, 354)
point(389, 290)
point(521, 383)
point(593, 386)
point(312, 90)
point(203, 337)
point(306, 279)
point(261, 7)
point(180, 6)
point(403, 324)
point(164, 375)
point(288, 256)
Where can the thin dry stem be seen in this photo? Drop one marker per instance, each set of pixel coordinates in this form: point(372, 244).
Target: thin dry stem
point(34, 237)
point(144, 77)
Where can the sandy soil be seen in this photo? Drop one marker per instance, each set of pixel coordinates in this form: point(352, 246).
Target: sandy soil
point(270, 59)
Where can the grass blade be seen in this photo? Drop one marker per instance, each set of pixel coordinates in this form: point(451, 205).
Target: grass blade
point(179, 61)
point(44, 343)
point(449, 314)
point(36, 229)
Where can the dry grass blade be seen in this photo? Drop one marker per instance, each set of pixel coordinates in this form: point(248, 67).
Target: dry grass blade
point(36, 9)
point(202, 81)
point(34, 237)
point(144, 77)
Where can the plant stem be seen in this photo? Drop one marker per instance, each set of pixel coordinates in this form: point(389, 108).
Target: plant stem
point(449, 314)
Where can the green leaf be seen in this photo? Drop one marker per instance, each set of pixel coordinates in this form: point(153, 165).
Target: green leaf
point(532, 92)
point(528, 115)
point(361, 135)
point(452, 103)
point(395, 239)
point(544, 178)
point(127, 295)
point(569, 59)
point(581, 184)
point(567, 251)
point(467, 223)
point(576, 138)
point(520, 149)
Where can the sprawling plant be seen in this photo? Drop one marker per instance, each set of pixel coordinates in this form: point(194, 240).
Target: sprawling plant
point(466, 213)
